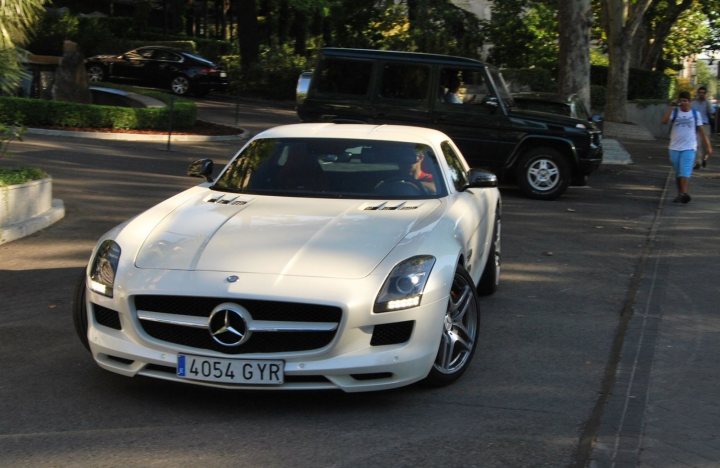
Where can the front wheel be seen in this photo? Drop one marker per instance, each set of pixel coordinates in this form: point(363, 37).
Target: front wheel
point(459, 332)
point(79, 312)
point(543, 173)
point(180, 85)
point(95, 73)
point(490, 279)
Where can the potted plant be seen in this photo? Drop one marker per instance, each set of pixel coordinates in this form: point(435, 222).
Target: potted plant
point(26, 203)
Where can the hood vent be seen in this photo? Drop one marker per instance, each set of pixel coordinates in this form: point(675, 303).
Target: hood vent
point(226, 200)
point(385, 206)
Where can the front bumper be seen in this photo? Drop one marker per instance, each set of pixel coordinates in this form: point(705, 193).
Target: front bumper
point(350, 362)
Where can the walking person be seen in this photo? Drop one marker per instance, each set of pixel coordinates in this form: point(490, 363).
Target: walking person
point(686, 128)
point(702, 105)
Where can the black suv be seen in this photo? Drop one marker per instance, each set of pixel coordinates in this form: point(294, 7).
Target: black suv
point(464, 98)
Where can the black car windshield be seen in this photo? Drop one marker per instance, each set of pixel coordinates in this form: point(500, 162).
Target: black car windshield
point(339, 168)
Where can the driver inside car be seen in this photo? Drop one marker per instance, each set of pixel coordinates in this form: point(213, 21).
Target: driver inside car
point(412, 165)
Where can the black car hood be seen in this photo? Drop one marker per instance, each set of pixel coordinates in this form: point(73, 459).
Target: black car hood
point(545, 118)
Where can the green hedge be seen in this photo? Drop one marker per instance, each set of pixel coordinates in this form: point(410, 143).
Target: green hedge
point(39, 112)
point(536, 79)
point(642, 84)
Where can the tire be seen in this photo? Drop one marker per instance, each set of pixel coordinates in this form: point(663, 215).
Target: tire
point(490, 279)
point(180, 85)
point(95, 73)
point(79, 312)
point(459, 332)
point(543, 174)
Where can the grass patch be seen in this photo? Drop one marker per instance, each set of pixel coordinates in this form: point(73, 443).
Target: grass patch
point(20, 175)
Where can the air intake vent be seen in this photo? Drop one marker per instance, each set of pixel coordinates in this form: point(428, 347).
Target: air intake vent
point(227, 200)
point(385, 206)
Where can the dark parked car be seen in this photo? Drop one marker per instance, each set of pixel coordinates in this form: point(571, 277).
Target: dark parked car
point(465, 99)
point(164, 67)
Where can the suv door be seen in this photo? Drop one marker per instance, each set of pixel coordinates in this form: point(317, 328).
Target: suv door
point(403, 94)
point(473, 117)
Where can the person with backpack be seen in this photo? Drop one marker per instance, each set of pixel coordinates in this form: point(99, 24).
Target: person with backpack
point(686, 128)
point(703, 107)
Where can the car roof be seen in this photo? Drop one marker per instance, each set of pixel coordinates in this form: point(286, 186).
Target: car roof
point(417, 57)
point(357, 131)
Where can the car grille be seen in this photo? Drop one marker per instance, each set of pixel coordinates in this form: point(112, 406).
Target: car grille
point(259, 341)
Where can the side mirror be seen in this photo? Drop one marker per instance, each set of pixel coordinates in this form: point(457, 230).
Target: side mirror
point(201, 168)
point(480, 178)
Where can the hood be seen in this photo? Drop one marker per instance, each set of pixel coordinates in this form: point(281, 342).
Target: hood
point(546, 118)
point(281, 235)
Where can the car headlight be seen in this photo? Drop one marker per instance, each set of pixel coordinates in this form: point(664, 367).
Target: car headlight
point(405, 284)
point(104, 267)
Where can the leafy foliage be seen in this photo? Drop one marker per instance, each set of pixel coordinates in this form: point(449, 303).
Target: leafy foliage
point(14, 176)
point(523, 33)
point(17, 18)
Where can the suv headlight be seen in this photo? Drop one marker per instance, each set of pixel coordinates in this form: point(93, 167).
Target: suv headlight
point(104, 267)
point(405, 284)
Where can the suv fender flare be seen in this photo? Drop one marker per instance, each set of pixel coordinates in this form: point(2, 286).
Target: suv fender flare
point(563, 145)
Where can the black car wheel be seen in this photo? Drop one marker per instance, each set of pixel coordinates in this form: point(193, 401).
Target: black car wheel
point(490, 279)
point(180, 85)
point(79, 312)
point(459, 332)
point(543, 174)
point(95, 73)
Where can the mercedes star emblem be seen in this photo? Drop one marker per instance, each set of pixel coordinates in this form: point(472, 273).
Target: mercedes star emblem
point(228, 324)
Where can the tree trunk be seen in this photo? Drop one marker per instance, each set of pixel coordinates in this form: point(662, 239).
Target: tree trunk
point(248, 36)
point(575, 20)
point(621, 19)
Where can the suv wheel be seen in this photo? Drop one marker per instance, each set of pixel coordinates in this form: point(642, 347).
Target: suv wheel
point(543, 173)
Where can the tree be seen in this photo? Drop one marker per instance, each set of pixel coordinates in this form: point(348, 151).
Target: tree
point(621, 20)
point(17, 18)
point(575, 22)
point(248, 33)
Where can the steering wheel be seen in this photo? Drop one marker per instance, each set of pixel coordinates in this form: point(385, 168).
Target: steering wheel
point(400, 186)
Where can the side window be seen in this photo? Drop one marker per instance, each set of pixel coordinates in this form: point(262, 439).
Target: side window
point(146, 53)
point(457, 169)
point(343, 77)
point(166, 56)
point(405, 82)
point(464, 86)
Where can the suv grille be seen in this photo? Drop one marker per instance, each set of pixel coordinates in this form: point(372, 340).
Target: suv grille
point(259, 342)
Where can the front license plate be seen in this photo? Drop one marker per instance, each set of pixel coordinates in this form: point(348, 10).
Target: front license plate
point(239, 371)
point(223, 75)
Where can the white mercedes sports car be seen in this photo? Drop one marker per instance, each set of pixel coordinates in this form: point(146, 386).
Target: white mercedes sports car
point(323, 256)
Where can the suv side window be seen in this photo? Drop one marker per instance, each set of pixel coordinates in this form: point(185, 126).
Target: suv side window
point(343, 77)
point(457, 170)
point(464, 86)
point(405, 82)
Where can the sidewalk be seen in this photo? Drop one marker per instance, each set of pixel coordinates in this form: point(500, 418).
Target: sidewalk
point(664, 406)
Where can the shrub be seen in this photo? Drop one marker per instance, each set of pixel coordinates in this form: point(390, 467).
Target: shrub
point(642, 84)
point(9, 176)
point(597, 97)
point(39, 112)
point(529, 79)
point(274, 76)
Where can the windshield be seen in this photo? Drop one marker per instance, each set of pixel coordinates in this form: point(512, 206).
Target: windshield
point(340, 168)
point(502, 89)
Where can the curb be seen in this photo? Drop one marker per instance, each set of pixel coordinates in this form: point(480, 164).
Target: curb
point(136, 136)
point(34, 224)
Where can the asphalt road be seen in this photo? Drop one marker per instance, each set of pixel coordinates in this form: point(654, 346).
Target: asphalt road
point(548, 337)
